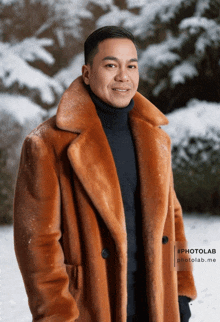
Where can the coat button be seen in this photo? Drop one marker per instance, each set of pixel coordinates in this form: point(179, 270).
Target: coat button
point(105, 253)
point(165, 239)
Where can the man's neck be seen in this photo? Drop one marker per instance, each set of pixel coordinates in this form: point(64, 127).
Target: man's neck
point(112, 117)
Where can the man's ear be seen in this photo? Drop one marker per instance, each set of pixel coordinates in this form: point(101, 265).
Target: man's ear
point(86, 73)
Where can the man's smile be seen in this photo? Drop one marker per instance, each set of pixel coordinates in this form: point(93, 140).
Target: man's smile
point(121, 89)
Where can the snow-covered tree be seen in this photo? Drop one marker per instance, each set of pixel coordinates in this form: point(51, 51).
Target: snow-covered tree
point(37, 39)
point(66, 75)
point(59, 20)
point(181, 59)
point(26, 18)
point(179, 45)
point(195, 136)
point(17, 75)
point(18, 116)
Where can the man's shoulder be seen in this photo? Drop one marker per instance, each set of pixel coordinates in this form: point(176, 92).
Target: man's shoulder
point(48, 133)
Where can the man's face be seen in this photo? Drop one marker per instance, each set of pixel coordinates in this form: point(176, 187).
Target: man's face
point(114, 75)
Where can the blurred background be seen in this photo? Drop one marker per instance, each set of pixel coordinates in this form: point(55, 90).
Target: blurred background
point(41, 53)
point(178, 42)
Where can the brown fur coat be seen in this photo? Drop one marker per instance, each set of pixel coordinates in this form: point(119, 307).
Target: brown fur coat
point(68, 208)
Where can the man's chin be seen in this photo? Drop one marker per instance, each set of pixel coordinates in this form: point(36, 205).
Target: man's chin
point(120, 103)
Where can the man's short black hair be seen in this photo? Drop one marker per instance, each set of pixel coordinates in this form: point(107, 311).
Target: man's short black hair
point(106, 32)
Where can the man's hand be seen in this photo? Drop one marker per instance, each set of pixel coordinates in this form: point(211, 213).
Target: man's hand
point(185, 312)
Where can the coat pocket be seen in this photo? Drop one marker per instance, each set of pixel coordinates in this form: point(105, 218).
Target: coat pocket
point(75, 279)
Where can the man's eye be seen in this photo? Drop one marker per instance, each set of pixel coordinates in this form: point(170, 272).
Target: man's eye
point(110, 65)
point(132, 66)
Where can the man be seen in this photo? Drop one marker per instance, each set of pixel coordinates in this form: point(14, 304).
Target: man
point(95, 212)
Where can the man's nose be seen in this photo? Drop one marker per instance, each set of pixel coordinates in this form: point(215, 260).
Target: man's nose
point(122, 75)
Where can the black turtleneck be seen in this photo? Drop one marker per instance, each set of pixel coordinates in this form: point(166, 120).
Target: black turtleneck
point(115, 122)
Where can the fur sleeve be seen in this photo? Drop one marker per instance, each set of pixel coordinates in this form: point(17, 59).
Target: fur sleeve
point(37, 233)
point(186, 284)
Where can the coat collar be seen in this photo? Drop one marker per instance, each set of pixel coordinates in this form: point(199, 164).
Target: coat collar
point(76, 111)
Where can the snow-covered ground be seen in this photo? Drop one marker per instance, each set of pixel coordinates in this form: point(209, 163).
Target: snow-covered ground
point(203, 232)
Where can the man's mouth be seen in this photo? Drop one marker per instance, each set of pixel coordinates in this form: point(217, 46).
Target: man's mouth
point(120, 89)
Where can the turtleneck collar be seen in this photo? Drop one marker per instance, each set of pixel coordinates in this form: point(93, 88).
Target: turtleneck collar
point(113, 118)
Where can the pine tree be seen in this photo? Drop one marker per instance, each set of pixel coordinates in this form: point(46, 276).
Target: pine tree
point(17, 75)
point(180, 46)
point(196, 155)
point(18, 116)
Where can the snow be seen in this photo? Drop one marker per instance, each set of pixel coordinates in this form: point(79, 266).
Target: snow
point(32, 49)
point(195, 23)
point(8, 2)
point(68, 6)
point(157, 56)
point(180, 73)
point(68, 14)
point(209, 38)
point(135, 3)
point(52, 112)
point(160, 11)
point(66, 75)
point(13, 299)
point(201, 44)
point(198, 119)
point(104, 4)
point(24, 112)
point(195, 137)
point(202, 231)
point(207, 31)
point(21, 108)
point(163, 83)
point(115, 17)
point(15, 70)
point(202, 6)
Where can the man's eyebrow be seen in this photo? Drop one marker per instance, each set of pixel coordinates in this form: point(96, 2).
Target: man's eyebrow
point(115, 58)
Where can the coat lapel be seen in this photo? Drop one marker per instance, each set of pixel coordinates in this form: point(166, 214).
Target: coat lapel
point(91, 158)
point(153, 154)
point(77, 113)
